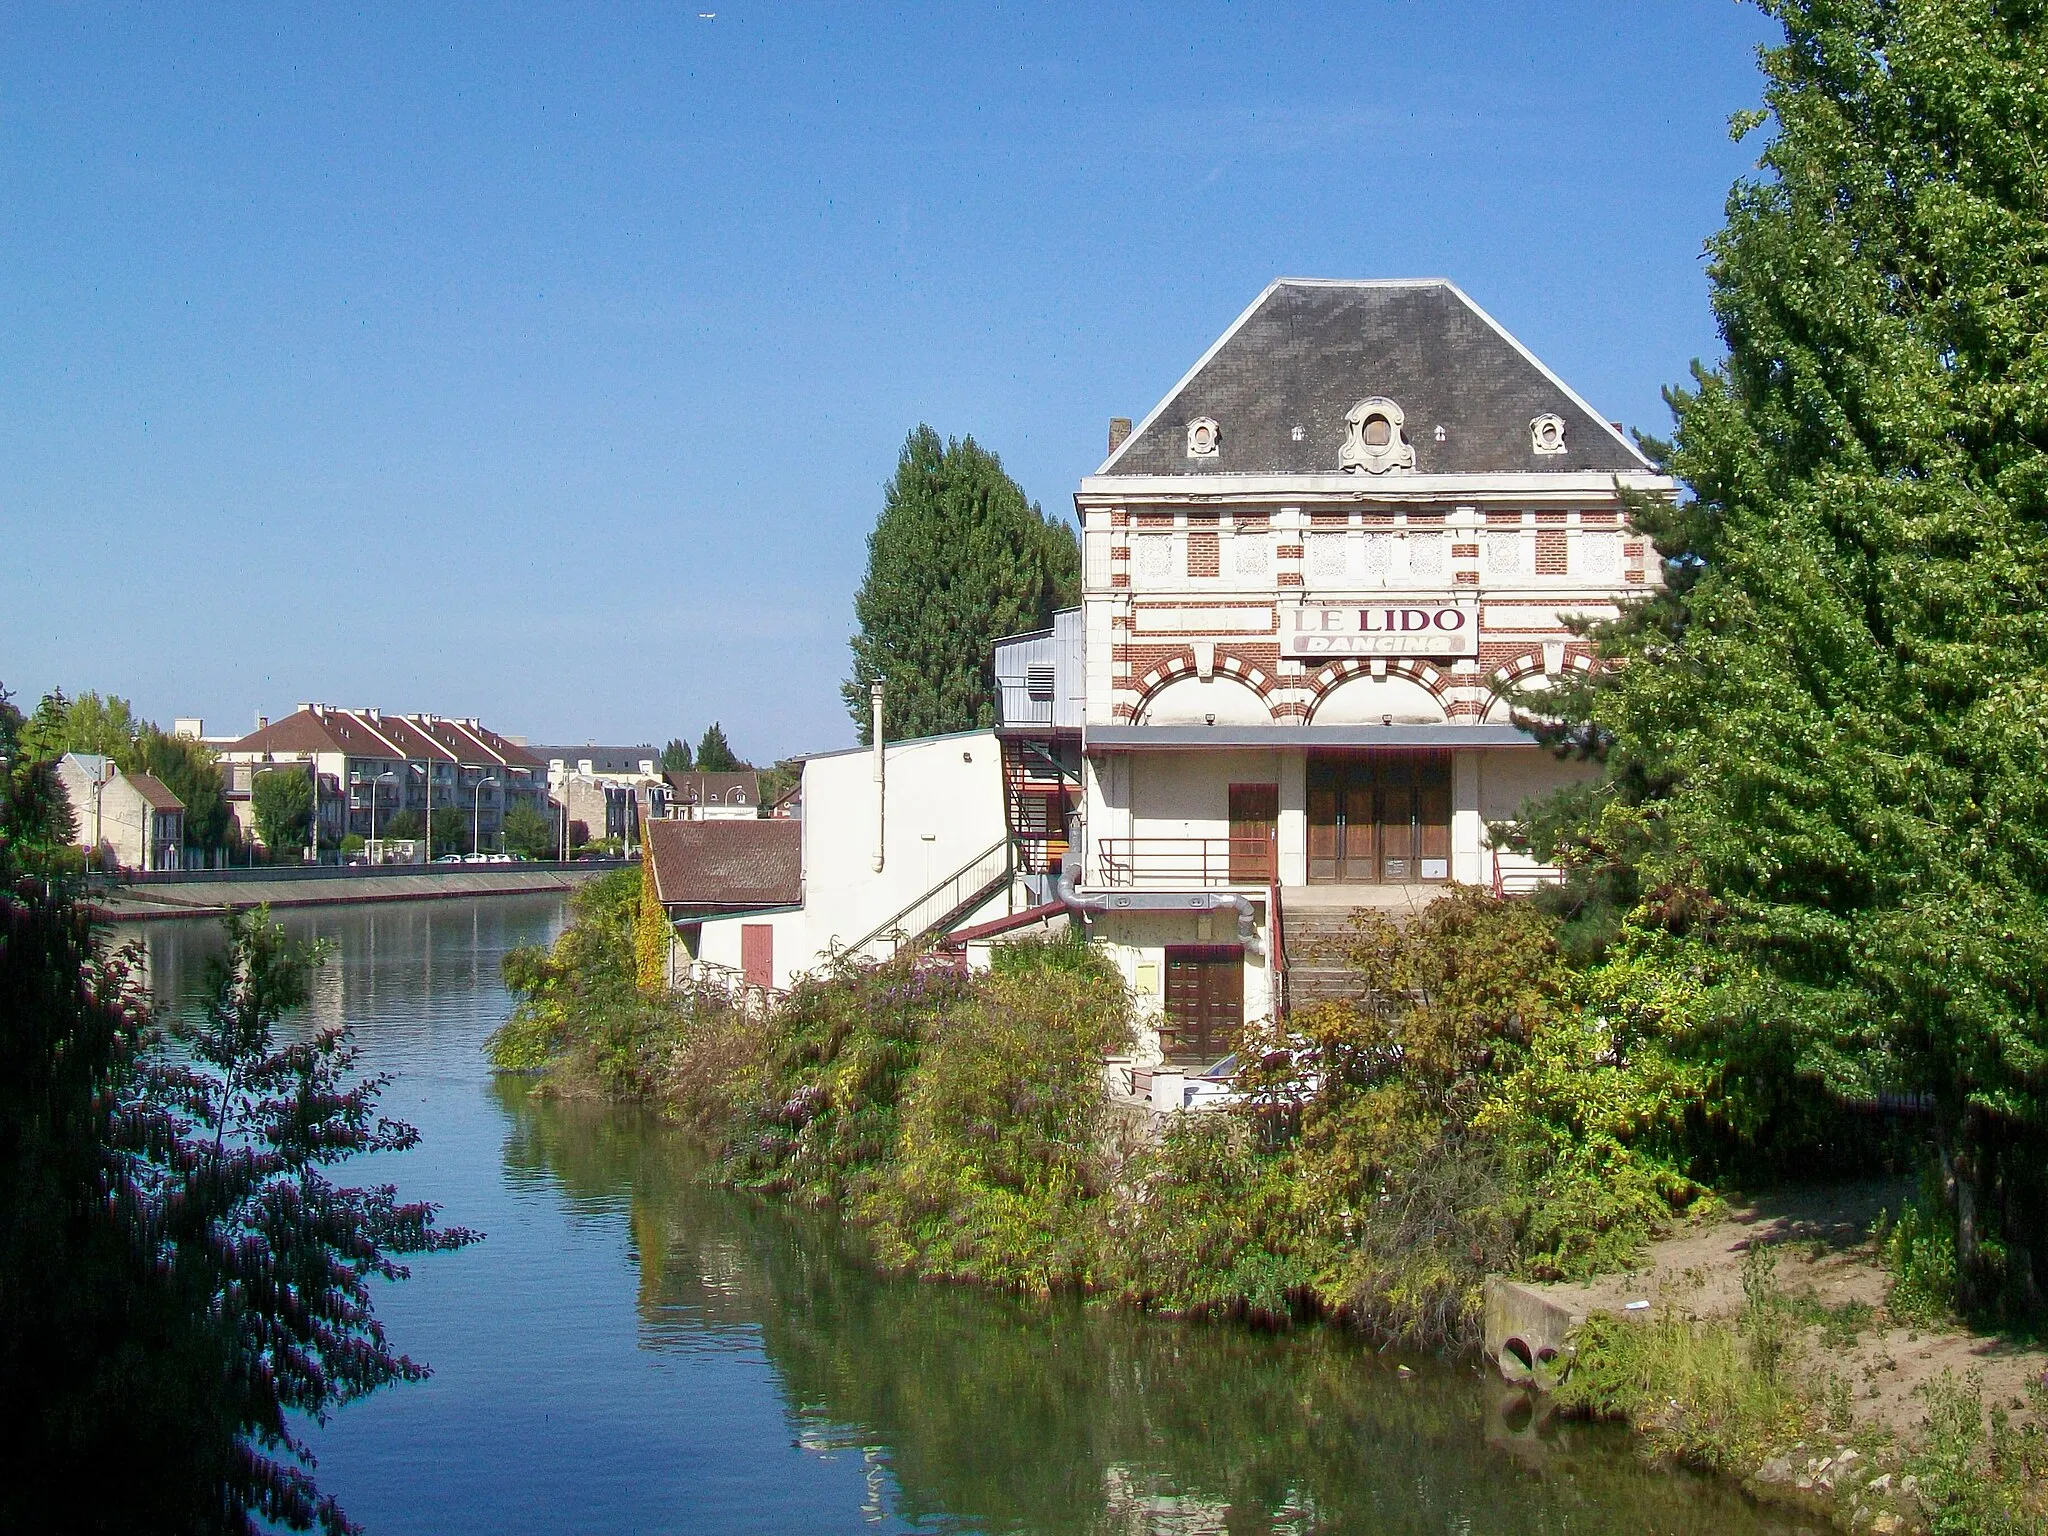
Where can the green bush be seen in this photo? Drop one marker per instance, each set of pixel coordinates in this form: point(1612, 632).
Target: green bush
point(579, 1009)
point(1919, 1249)
point(1465, 1116)
point(1000, 1158)
point(1978, 1481)
point(1210, 1221)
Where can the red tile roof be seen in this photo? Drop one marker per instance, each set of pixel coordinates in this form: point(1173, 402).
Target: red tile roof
point(726, 864)
point(359, 733)
point(155, 791)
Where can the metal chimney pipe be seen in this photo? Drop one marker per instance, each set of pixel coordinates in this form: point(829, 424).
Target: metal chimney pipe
point(881, 787)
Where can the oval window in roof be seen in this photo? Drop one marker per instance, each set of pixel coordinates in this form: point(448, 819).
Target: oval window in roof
point(1374, 439)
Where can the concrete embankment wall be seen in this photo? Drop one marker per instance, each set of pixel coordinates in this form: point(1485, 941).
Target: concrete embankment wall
point(209, 893)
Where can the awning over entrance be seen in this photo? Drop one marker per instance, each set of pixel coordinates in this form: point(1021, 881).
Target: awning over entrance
point(1446, 738)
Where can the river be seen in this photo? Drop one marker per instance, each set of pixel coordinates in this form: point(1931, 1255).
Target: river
point(630, 1350)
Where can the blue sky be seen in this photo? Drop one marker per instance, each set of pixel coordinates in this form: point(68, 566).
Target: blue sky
point(546, 363)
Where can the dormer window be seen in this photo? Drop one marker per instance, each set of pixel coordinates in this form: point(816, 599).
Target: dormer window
point(1375, 441)
point(1546, 434)
point(1204, 437)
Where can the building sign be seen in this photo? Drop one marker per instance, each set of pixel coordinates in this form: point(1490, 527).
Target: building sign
point(1315, 631)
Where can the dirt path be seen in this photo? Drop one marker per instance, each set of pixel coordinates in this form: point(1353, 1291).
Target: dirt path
point(1824, 1250)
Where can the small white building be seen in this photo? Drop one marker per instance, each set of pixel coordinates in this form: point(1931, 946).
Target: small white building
point(129, 820)
point(734, 796)
point(892, 846)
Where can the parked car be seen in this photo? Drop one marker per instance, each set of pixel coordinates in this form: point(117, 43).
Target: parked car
point(1219, 1086)
point(449, 858)
point(476, 858)
point(1214, 1087)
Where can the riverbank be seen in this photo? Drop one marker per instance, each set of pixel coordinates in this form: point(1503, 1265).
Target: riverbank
point(213, 893)
point(633, 1347)
point(1466, 1120)
point(1786, 1341)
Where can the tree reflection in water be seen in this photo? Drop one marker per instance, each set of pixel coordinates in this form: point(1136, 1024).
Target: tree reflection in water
point(985, 1412)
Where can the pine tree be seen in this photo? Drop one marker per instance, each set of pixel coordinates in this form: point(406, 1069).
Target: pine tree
point(958, 559)
point(715, 753)
point(1824, 803)
point(675, 757)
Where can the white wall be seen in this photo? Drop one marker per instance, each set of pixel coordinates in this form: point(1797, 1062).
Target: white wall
point(1508, 779)
point(1137, 942)
point(944, 807)
point(1187, 794)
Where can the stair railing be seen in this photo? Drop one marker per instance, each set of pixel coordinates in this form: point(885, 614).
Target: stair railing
point(1276, 948)
point(967, 887)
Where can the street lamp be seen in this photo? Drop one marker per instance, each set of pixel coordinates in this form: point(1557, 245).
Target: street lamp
point(476, 830)
point(386, 774)
point(313, 823)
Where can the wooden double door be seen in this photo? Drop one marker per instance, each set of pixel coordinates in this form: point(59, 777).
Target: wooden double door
point(1204, 1002)
point(1379, 818)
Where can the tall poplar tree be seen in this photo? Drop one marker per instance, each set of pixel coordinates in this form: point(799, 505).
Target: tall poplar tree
point(958, 559)
point(1825, 809)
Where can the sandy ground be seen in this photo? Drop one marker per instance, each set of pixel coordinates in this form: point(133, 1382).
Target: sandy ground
point(1823, 1242)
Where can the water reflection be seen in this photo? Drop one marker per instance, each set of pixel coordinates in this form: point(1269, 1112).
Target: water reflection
point(991, 1414)
point(630, 1350)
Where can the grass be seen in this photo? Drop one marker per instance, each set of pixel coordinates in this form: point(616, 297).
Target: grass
point(1736, 1397)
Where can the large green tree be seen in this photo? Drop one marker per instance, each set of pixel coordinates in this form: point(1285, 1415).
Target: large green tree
point(88, 723)
point(529, 831)
point(675, 757)
point(282, 799)
point(958, 559)
point(10, 727)
point(453, 831)
point(187, 768)
point(1824, 810)
point(715, 753)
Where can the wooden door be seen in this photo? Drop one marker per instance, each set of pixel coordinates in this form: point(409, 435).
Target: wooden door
point(1323, 795)
point(1254, 832)
point(1204, 1002)
point(1433, 815)
point(1360, 833)
point(757, 953)
point(1396, 805)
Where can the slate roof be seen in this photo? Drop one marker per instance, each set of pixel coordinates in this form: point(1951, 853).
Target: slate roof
point(726, 865)
point(1308, 350)
point(602, 759)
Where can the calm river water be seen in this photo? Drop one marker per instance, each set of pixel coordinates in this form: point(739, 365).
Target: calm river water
point(628, 1350)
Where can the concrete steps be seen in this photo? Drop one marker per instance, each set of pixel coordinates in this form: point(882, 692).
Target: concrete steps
point(1317, 929)
point(1315, 942)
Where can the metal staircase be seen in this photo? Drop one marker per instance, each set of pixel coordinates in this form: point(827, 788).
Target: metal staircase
point(940, 909)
